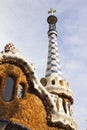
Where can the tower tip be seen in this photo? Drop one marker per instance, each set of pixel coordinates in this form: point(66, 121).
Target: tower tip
point(52, 19)
point(51, 11)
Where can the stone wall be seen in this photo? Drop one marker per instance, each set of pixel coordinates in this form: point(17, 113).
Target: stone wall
point(28, 111)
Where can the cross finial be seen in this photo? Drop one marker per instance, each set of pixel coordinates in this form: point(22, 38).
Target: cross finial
point(52, 11)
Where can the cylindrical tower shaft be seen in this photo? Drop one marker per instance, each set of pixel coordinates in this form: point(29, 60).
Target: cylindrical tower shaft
point(53, 63)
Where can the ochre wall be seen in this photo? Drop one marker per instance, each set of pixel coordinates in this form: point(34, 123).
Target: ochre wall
point(28, 111)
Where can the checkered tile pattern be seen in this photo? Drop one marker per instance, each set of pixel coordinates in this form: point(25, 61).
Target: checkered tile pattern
point(53, 63)
point(9, 47)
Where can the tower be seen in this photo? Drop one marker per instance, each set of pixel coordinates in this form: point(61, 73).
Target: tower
point(54, 82)
point(53, 64)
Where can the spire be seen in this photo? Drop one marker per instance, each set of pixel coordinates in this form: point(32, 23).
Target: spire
point(55, 84)
point(53, 63)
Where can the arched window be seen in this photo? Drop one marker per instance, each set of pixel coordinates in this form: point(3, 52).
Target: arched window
point(64, 106)
point(8, 89)
point(20, 92)
point(53, 82)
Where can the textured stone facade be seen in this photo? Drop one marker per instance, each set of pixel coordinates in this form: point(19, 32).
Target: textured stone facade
point(28, 111)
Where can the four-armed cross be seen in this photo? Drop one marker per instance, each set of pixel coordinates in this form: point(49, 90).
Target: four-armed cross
point(52, 11)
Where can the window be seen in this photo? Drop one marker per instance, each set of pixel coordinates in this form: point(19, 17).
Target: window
point(43, 81)
point(8, 89)
point(53, 82)
point(61, 82)
point(20, 92)
point(64, 106)
point(52, 27)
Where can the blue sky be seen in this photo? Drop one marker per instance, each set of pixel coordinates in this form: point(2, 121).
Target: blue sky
point(23, 22)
